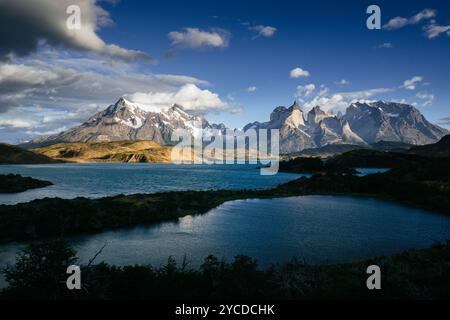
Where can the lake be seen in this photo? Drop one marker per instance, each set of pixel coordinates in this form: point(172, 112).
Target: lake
point(95, 180)
point(315, 228)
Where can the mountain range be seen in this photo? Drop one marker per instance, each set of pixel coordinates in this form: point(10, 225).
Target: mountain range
point(363, 123)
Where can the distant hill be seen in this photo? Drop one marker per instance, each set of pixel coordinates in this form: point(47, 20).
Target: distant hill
point(394, 146)
point(10, 154)
point(333, 150)
point(439, 149)
point(327, 151)
point(369, 158)
point(117, 151)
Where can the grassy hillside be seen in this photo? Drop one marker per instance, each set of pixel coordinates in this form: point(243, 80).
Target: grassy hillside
point(10, 154)
point(117, 151)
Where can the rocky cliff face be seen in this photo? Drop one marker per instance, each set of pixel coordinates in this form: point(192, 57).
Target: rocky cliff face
point(128, 121)
point(362, 123)
point(391, 122)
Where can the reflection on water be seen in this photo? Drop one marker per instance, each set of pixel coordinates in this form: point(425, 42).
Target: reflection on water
point(316, 228)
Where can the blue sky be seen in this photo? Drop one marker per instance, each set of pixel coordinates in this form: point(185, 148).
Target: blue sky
point(327, 38)
point(249, 72)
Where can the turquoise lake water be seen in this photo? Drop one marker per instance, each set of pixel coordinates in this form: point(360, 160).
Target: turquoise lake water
point(315, 228)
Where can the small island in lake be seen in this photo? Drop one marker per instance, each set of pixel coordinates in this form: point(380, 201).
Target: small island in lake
point(14, 183)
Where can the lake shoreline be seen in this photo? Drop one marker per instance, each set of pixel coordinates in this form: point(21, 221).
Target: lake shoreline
point(54, 217)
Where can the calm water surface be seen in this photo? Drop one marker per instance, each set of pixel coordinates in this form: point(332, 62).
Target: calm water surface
point(108, 179)
point(315, 228)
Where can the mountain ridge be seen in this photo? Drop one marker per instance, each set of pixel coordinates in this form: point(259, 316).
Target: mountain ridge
point(363, 123)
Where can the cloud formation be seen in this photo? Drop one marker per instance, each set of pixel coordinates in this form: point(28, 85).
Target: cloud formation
point(427, 98)
point(333, 102)
point(263, 31)
point(189, 96)
point(444, 121)
point(342, 82)
point(40, 98)
point(299, 73)
point(434, 30)
point(305, 91)
point(400, 22)
point(385, 45)
point(26, 23)
point(412, 83)
point(195, 38)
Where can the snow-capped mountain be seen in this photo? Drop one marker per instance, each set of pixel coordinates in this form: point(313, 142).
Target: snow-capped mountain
point(363, 123)
point(390, 121)
point(125, 120)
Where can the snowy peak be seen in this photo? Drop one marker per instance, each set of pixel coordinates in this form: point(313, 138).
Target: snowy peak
point(122, 112)
point(363, 123)
point(126, 120)
point(390, 121)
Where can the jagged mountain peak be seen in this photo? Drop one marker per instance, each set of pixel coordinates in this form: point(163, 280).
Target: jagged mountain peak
point(317, 110)
point(295, 106)
point(126, 120)
point(364, 122)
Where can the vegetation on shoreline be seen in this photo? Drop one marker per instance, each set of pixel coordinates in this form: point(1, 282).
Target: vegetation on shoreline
point(40, 273)
point(426, 185)
point(314, 166)
point(10, 154)
point(14, 183)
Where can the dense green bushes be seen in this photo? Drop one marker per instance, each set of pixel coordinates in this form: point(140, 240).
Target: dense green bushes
point(39, 273)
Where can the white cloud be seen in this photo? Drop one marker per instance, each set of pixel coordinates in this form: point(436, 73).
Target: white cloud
point(298, 73)
point(412, 83)
point(27, 23)
point(423, 15)
point(44, 97)
point(396, 23)
point(305, 91)
point(16, 123)
point(400, 22)
point(385, 45)
point(190, 97)
point(251, 89)
point(427, 98)
point(341, 100)
point(195, 38)
point(236, 111)
point(343, 82)
point(59, 87)
point(263, 31)
point(433, 30)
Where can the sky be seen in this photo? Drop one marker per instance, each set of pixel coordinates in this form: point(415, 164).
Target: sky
point(233, 61)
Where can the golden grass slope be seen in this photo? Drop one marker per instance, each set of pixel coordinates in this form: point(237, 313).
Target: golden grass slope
point(10, 154)
point(116, 151)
